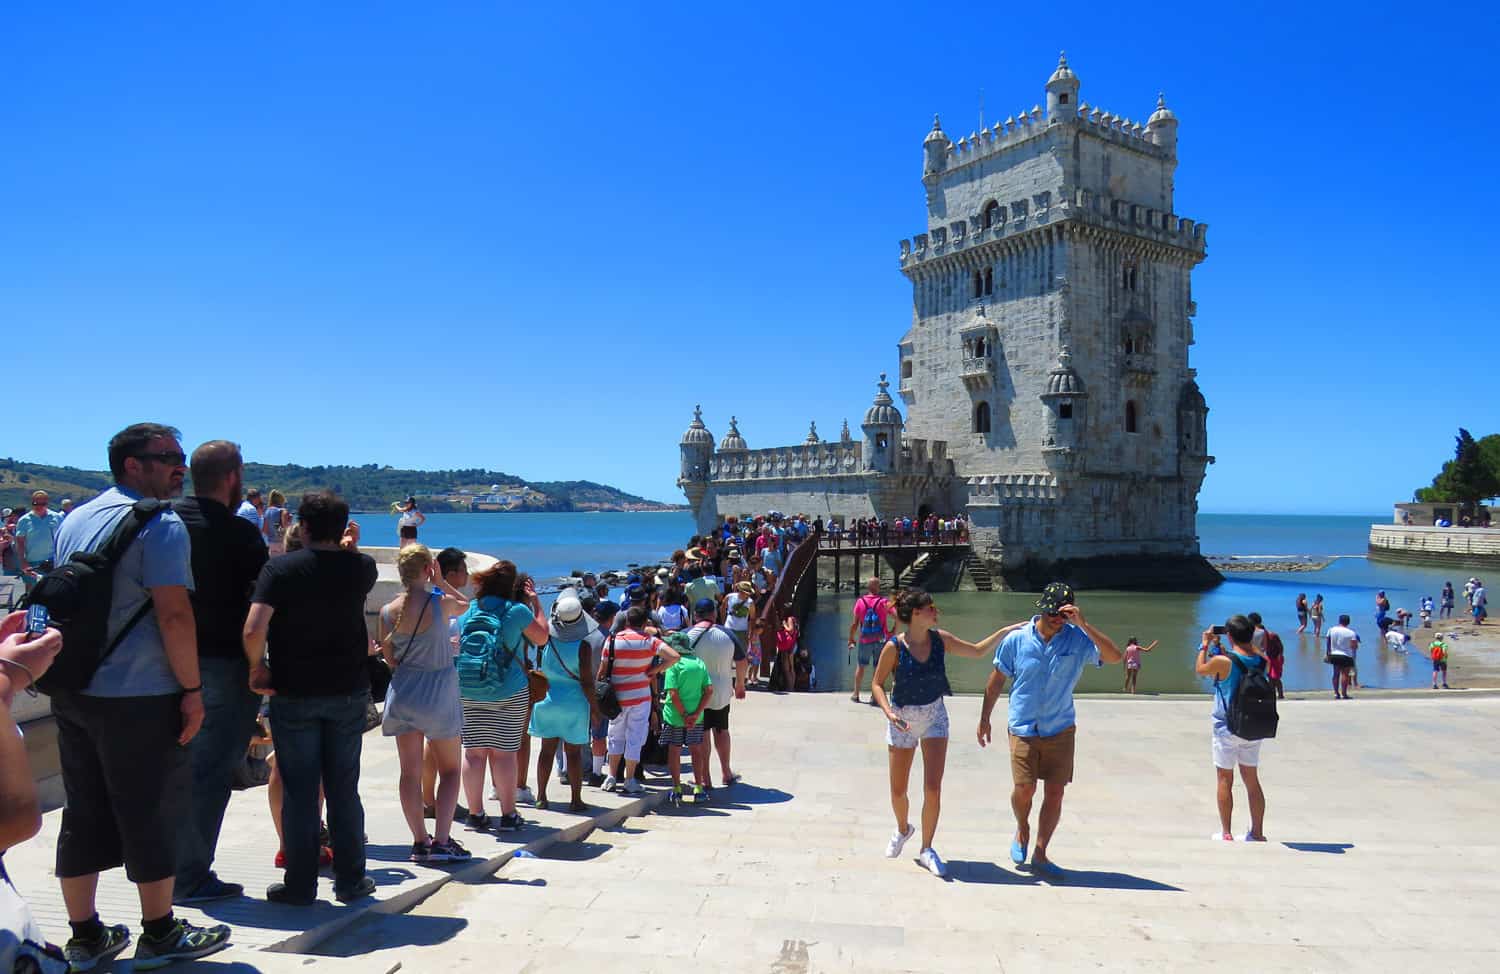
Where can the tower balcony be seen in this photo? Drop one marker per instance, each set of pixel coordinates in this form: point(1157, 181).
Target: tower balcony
point(977, 371)
point(1140, 368)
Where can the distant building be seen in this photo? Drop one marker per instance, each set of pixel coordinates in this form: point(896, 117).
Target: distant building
point(1045, 373)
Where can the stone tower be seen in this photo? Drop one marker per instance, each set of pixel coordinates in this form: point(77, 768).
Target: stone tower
point(695, 448)
point(1052, 316)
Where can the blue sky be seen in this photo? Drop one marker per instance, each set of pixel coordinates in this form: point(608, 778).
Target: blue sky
point(531, 238)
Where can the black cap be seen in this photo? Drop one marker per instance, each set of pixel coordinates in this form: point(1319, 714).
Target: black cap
point(1055, 596)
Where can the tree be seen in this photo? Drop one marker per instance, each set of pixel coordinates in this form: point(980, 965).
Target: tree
point(1471, 476)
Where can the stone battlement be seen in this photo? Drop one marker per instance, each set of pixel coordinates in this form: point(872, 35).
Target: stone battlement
point(1024, 126)
point(783, 462)
point(1044, 209)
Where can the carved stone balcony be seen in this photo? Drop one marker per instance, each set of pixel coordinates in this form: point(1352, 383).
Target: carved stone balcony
point(1140, 368)
point(977, 371)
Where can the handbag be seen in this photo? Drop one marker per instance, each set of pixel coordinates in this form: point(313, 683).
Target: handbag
point(538, 684)
point(604, 689)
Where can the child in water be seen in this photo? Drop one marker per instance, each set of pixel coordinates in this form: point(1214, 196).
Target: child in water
point(1133, 651)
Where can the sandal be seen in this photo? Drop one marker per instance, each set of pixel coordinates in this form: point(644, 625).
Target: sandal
point(540, 803)
point(478, 821)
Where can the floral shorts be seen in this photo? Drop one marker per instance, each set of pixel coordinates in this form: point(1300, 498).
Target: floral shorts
point(922, 721)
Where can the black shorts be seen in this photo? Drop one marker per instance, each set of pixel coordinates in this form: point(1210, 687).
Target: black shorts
point(740, 638)
point(128, 784)
point(1341, 662)
point(716, 718)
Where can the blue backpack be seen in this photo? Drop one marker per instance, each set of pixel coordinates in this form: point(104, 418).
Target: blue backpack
point(483, 660)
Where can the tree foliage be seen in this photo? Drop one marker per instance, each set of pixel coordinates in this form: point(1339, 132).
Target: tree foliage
point(1471, 476)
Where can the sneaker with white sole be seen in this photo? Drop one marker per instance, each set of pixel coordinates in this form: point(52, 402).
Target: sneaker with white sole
point(933, 863)
point(85, 955)
point(183, 942)
point(898, 841)
point(632, 786)
point(524, 796)
point(609, 783)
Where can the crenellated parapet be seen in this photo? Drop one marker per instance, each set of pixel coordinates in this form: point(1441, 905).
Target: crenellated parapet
point(1013, 488)
point(789, 462)
point(1013, 225)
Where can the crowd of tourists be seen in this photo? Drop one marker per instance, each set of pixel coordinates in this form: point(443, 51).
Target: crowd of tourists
point(904, 530)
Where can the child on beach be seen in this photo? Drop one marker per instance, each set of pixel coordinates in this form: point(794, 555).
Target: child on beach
point(1439, 653)
point(1316, 611)
point(1133, 651)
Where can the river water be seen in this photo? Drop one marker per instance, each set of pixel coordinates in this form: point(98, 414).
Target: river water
point(549, 545)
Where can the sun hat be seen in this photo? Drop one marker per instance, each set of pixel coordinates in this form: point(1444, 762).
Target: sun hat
point(745, 587)
point(1055, 596)
point(569, 623)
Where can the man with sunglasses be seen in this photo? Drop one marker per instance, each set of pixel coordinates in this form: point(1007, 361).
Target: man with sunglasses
point(1045, 659)
point(36, 536)
point(123, 739)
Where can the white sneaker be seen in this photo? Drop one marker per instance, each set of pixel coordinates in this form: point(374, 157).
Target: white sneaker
point(632, 786)
point(898, 841)
point(930, 861)
point(609, 783)
point(524, 797)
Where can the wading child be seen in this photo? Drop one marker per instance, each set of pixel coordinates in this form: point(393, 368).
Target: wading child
point(1439, 653)
point(1133, 651)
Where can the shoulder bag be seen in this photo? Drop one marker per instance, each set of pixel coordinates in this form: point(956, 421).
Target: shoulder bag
point(604, 689)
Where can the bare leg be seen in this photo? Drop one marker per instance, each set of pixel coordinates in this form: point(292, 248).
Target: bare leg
point(447, 756)
point(505, 780)
point(674, 764)
point(429, 777)
point(475, 759)
point(545, 756)
point(409, 785)
point(630, 767)
point(78, 895)
point(1048, 817)
point(699, 753)
point(934, 760)
point(859, 681)
point(1226, 800)
point(574, 754)
point(900, 762)
point(1020, 805)
point(273, 801)
point(524, 755)
point(721, 745)
point(1251, 778)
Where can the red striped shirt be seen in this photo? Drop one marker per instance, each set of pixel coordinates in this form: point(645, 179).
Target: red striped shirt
point(633, 653)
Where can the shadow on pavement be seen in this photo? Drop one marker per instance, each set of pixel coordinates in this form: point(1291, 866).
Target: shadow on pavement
point(991, 874)
point(1330, 848)
point(383, 931)
point(742, 795)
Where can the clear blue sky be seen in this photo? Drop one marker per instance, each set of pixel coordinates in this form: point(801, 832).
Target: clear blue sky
point(452, 235)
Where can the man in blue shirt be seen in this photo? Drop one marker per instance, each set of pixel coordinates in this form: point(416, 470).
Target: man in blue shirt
point(36, 536)
point(1045, 659)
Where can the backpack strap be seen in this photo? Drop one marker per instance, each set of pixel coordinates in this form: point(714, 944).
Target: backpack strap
point(125, 533)
point(553, 646)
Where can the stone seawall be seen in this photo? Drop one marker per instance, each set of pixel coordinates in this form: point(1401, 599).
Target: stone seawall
point(1466, 547)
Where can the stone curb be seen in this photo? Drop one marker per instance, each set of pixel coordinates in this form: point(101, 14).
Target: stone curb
point(307, 941)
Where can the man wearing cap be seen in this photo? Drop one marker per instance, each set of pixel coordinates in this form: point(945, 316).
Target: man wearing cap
point(252, 508)
point(1045, 659)
point(36, 537)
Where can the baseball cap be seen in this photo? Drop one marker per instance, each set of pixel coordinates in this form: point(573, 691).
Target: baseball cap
point(1055, 596)
point(635, 593)
point(705, 607)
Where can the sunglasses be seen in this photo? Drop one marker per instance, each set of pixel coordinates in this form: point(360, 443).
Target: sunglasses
point(172, 458)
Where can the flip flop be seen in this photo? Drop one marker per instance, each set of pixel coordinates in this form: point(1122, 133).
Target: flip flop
point(1048, 870)
point(1017, 852)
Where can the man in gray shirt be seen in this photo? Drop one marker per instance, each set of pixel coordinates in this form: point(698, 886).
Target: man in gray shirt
point(122, 738)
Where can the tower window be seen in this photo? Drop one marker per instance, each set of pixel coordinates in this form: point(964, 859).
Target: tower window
point(881, 441)
point(906, 369)
point(978, 284)
point(1065, 410)
point(1130, 417)
point(1129, 345)
point(991, 214)
point(1063, 98)
point(989, 280)
point(982, 418)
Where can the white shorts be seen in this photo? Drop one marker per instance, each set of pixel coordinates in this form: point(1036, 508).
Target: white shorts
point(922, 722)
point(1230, 750)
point(627, 732)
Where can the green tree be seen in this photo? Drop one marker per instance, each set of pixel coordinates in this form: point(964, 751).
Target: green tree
point(1471, 476)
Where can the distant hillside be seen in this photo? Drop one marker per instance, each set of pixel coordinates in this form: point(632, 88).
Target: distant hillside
point(367, 488)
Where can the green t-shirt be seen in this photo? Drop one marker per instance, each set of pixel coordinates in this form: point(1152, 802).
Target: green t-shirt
point(689, 677)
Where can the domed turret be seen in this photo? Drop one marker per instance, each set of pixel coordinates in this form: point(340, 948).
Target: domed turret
point(696, 447)
point(1066, 405)
point(1062, 91)
point(1161, 127)
point(812, 434)
point(882, 426)
point(935, 149)
point(697, 434)
point(733, 442)
point(1062, 380)
point(1192, 420)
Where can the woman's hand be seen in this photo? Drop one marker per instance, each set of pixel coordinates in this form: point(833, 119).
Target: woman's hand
point(896, 721)
point(31, 654)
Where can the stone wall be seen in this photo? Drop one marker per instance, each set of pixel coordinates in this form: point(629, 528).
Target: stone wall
point(1460, 547)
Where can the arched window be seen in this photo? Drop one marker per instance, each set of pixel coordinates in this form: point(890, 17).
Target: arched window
point(881, 441)
point(978, 284)
point(1065, 410)
point(906, 368)
point(1130, 417)
point(989, 280)
point(1129, 345)
point(982, 418)
point(991, 214)
point(979, 348)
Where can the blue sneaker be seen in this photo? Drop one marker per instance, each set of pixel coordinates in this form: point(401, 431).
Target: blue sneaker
point(1017, 852)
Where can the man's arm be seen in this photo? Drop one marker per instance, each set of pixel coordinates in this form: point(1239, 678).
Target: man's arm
point(254, 638)
point(179, 637)
point(1108, 651)
point(992, 691)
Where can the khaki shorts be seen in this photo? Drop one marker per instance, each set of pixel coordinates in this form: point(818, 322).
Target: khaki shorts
point(1034, 759)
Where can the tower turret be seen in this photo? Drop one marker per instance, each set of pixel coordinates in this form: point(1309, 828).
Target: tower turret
point(935, 149)
point(696, 447)
point(1161, 127)
point(733, 442)
point(1062, 91)
point(882, 426)
point(812, 434)
point(1066, 417)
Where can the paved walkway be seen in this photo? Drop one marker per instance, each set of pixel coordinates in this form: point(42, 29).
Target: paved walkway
point(1381, 858)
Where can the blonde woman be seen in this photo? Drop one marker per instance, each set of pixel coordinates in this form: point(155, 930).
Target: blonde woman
point(423, 702)
point(274, 522)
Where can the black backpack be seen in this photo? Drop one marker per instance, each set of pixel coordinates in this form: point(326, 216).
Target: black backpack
point(78, 594)
point(1251, 714)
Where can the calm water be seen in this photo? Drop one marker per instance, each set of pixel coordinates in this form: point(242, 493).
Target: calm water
point(555, 544)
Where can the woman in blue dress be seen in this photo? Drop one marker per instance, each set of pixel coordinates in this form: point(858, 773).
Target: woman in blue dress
point(567, 711)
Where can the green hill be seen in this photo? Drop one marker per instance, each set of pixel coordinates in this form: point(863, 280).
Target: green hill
point(371, 487)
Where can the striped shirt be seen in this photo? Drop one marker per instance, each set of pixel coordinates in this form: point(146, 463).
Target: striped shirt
point(633, 652)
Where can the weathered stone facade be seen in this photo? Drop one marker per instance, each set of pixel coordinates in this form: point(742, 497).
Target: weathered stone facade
point(1045, 374)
